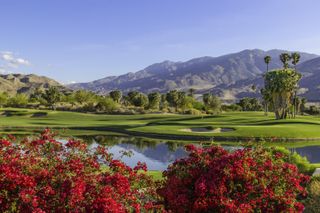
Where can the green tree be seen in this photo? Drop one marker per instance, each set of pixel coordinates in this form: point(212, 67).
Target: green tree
point(107, 104)
point(184, 102)
point(212, 103)
point(295, 59)
point(52, 96)
point(280, 84)
point(172, 98)
point(267, 60)
point(285, 58)
point(19, 100)
point(245, 104)
point(191, 92)
point(267, 100)
point(116, 95)
point(140, 100)
point(154, 100)
point(303, 105)
point(83, 96)
point(164, 103)
point(3, 99)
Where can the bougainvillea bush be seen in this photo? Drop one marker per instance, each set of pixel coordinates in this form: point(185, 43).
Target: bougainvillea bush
point(248, 180)
point(44, 175)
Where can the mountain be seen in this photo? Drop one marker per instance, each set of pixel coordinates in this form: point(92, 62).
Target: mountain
point(309, 86)
point(231, 76)
point(19, 83)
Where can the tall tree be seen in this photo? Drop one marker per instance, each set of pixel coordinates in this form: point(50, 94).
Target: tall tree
point(52, 96)
point(154, 100)
point(285, 58)
point(83, 96)
point(116, 95)
point(267, 60)
point(191, 92)
point(172, 98)
point(280, 84)
point(212, 103)
point(295, 60)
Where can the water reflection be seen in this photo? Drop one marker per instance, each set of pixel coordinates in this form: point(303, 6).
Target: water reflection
point(312, 153)
point(157, 154)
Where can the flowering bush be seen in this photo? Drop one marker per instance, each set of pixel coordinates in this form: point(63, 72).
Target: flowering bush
point(43, 175)
point(248, 180)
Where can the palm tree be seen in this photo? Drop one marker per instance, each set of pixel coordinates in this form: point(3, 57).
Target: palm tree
point(295, 60)
point(191, 92)
point(285, 58)
point(267, 60)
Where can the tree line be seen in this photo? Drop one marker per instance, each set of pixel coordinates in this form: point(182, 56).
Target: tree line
point(173, 101)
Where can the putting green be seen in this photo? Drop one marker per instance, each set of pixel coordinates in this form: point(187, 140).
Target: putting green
point(245, 125)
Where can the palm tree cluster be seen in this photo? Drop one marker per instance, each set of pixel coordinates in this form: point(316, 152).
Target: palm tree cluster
point(282, 97)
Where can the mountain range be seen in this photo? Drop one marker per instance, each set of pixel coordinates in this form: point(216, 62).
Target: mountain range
point(230, 76)
point(20, 83)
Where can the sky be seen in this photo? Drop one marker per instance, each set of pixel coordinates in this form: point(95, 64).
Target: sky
point(85, 40)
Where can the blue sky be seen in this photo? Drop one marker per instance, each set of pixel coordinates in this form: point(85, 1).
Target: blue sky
point(84, 40)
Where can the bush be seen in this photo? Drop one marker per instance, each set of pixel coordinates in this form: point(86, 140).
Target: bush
point(313, 201)
point(302, 163)
point(43, 175)
point(193, 112)
point(248, 180)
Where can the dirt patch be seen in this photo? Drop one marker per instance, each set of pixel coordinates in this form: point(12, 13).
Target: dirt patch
point(207, 130)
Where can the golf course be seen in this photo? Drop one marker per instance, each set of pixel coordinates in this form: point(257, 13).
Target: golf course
point(228, 126)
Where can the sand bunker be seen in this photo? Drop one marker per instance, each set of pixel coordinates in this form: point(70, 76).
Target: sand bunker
point(207, 130)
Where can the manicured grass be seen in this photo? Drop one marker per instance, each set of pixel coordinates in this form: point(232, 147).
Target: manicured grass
point(245, 124)
point(157, 175)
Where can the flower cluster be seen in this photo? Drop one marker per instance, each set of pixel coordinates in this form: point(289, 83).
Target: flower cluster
point(248, 180)
point(44, 175)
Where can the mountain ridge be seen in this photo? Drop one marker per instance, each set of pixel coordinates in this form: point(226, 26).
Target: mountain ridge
point(219, 74)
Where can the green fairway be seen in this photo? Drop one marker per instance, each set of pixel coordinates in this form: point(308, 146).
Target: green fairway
point(244, 124)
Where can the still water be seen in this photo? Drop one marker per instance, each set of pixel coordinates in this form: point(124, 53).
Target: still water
point(158, 154)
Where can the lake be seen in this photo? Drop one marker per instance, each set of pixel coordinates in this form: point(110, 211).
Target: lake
point(158, 154)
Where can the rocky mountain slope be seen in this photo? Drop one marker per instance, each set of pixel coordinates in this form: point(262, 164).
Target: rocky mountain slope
point(231, 76)
point(19, 83)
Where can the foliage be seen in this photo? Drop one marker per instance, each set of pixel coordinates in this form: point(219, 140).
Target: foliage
point(172, 98)
point(83, 96)
point(285, 58)
point(107, 105)
point(154, 100)
point(212, 103)
point(116, 95)
point(280, 86)
point(3, 99)
point(231, 107)
point(52, 96)
point(44, 175)
point(302, 163)
point(313, 201)
point(19, 100)
point(250, 104)
point(249, 180)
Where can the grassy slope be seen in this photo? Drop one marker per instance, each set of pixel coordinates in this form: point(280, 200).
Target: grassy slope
point(246, 124)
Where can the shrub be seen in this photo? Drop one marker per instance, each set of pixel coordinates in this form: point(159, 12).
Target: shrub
point(249, 180)
point(193, 112)
point(302, 163)
point(44, 175)
point(313, 201)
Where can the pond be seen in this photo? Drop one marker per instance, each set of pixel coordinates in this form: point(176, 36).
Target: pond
point(158, 154)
